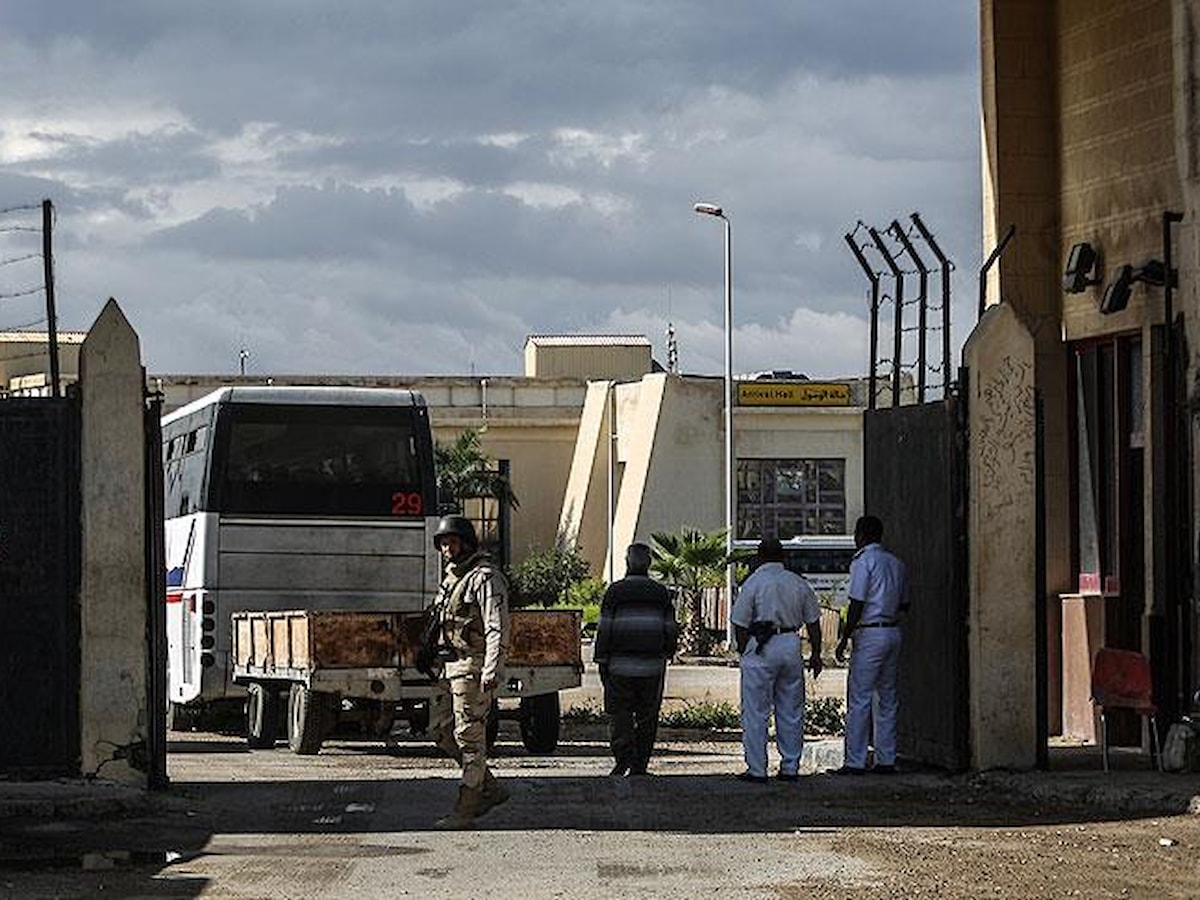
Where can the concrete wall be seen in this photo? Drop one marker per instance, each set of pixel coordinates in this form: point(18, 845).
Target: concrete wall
point(672, 450)
point(1186, 37)
point(25, 360)
point(1090, 130)
point(1001, 629)
point(584, 516)
point(572, 358)
point(114, 662)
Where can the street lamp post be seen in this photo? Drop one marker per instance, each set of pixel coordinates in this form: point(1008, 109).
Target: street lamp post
point(711, 209)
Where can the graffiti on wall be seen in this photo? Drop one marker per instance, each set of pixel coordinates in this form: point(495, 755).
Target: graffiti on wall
point(1004, 438)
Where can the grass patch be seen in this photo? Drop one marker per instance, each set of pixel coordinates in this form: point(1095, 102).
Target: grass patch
point(822, 716)
point(704, 715)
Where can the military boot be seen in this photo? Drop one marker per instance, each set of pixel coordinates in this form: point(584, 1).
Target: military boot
point(465, 811)
point(492, 793)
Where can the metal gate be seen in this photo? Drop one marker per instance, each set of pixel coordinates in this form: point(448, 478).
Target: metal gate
point(915, 481)
point(156, 593)
point(39, 587)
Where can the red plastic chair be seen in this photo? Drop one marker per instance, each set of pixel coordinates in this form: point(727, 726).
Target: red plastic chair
point(1121, 680)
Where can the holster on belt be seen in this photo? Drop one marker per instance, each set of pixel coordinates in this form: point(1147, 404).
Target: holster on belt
point(762, 632)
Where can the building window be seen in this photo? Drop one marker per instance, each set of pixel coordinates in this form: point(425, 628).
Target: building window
point(784, 498)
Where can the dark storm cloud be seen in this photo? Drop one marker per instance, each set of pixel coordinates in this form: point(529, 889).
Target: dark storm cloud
point(314, 175)
point(435, 65)
point(172, 155)
point(471, 162)
point(475, 234)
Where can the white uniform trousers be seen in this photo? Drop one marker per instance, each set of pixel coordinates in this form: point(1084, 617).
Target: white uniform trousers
point(773, 679)
point(874, 665)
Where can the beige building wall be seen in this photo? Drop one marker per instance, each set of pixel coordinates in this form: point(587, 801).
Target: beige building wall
point(25, 360)
point(1090, 134)
point(619, 357)
point(592, 484)
point(670, 451)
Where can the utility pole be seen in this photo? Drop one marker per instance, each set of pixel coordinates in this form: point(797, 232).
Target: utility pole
point(48, 270)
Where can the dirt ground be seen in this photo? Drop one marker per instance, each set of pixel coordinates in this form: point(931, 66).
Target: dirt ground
point(355, 821)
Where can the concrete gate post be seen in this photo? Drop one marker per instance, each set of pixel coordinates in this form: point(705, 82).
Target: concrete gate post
point(113, 697)
point(1002, 567)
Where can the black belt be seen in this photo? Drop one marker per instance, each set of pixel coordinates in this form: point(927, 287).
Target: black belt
point(877, 625)
point(778, 630)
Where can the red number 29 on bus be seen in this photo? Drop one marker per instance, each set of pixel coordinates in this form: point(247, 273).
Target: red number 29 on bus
point(407, 503)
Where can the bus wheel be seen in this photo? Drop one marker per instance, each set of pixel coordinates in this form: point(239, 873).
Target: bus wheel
point(539, 723)
point(262, 716)
point(310, 717)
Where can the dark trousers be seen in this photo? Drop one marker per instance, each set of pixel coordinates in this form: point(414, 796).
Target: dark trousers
point(632, 704)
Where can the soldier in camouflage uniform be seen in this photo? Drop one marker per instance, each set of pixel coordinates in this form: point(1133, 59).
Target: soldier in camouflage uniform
point(472, 607)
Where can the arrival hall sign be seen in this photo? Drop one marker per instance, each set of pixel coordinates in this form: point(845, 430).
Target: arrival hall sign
point(792, 393)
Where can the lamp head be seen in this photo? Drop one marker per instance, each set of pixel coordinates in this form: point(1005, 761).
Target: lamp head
point(1083, 265)
point(1116, 295)
point(709, 209)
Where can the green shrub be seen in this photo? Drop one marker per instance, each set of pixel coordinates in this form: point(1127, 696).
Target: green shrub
point(703, 714)
point(545, 577)
point(825, 716)
point(587, 594)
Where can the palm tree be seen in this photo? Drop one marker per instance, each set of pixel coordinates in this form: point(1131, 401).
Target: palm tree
point(691, 560)
point(465, 472)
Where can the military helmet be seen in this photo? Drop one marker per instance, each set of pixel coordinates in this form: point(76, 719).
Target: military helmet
point(458, 526)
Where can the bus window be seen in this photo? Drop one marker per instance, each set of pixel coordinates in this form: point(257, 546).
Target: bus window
point(824, 560)
point(319, 460)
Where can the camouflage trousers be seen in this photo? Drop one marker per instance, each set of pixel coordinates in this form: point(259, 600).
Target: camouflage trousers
point(458, 711)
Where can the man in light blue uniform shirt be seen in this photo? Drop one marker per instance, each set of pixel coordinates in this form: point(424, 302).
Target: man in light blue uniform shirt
point(878, 596)
point(771, 607)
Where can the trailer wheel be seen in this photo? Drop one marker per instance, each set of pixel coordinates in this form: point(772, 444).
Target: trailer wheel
point(539, 723)
point(310, 718)
point(262, 716)
point(181, 717)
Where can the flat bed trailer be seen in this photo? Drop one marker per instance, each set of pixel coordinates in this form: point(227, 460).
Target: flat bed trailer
point(337, 665)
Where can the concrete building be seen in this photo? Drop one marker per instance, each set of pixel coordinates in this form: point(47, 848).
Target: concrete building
point(1092, 151)
point(25, 361)
point(553, 431)
point(649, 457)
point(591, 356)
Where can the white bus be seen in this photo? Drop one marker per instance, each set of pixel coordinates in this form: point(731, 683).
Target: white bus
point(281, 498)
point(823, 559)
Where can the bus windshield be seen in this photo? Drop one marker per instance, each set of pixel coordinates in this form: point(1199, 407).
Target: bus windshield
point(290, 459)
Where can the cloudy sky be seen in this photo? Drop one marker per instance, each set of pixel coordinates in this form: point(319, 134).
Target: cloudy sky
point(402, 187)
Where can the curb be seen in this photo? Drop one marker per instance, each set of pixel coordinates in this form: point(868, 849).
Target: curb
point(1114, 797)
point(820, 755)
point(71, 799)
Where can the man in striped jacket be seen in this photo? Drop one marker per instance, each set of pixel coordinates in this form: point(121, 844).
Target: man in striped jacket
point(636, 636)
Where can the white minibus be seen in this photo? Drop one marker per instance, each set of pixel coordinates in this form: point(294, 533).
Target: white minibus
point(282, 498)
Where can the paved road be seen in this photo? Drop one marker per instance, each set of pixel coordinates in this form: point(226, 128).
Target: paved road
point(354, 822)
